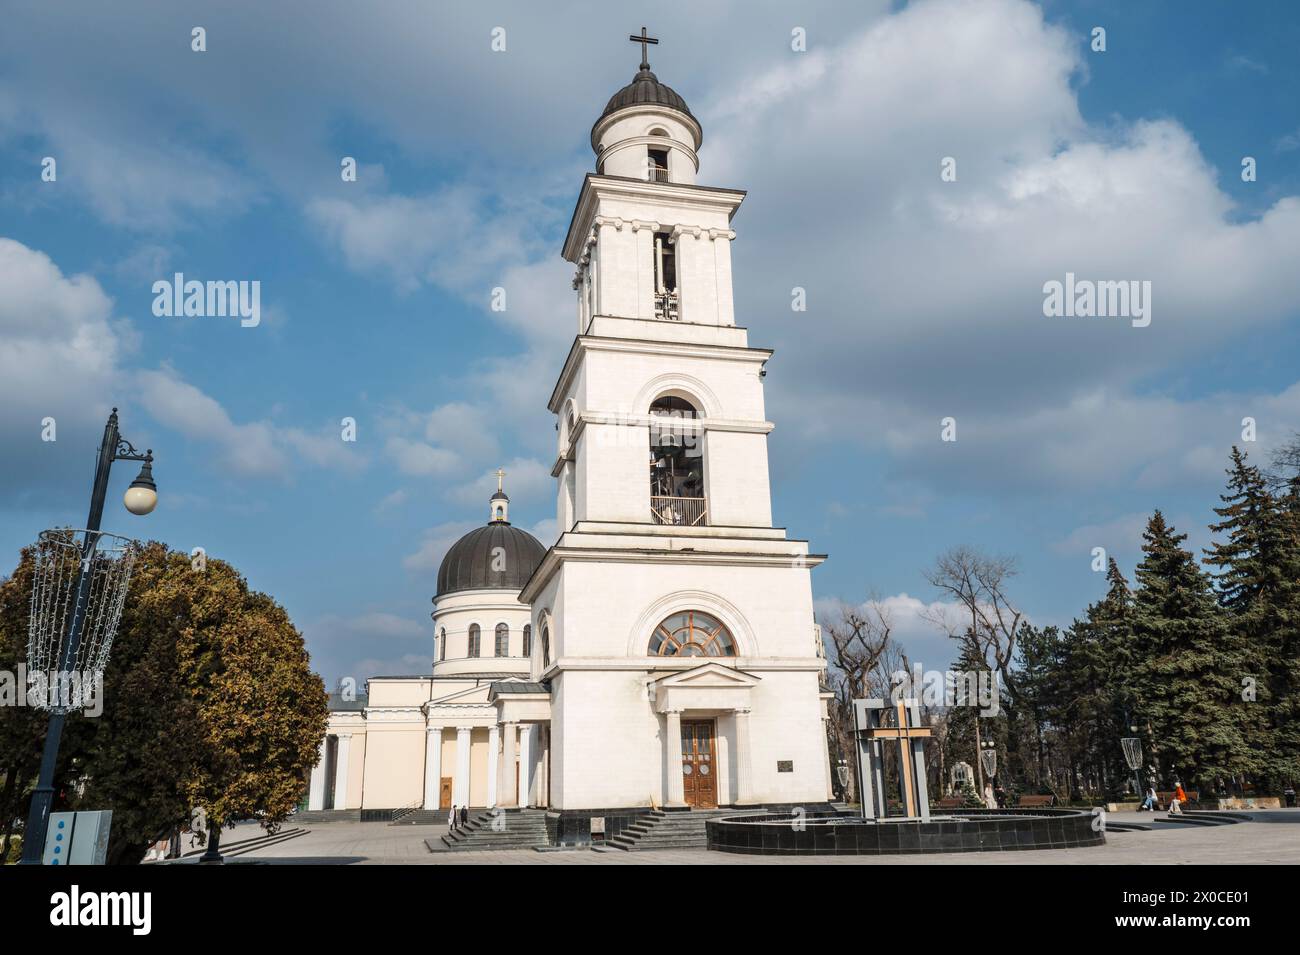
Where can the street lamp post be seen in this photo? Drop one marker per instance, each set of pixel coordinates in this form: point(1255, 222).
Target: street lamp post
point(1132, 746)
point(140, 498)
point(989, 760)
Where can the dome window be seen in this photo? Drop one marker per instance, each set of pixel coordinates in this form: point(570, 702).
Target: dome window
point(502, 648)
point(475, 638)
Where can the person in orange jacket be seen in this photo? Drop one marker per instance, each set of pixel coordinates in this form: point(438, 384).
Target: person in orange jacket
point(1180, 797)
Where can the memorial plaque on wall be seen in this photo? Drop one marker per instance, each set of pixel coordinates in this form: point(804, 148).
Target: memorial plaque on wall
point(785, 765)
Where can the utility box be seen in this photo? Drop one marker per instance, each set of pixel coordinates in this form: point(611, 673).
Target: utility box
point(78, 838)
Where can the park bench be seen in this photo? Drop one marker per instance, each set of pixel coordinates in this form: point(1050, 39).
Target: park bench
point(1036, 802)
point(1163, 799)
point(949, 802)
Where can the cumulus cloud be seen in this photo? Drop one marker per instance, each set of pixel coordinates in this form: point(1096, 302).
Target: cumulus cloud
point(419, 459)
point(59, 360)
point(255, 448)
point(925, 297)
point(434, 544)
point(527, 479)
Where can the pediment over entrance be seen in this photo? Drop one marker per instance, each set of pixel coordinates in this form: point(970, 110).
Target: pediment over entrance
point(709, 686)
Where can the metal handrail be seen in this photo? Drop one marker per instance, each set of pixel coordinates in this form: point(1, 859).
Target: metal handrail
point(682, 511)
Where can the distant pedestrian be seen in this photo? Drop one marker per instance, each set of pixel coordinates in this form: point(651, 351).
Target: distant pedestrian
point(1149, 803)
point(464, 816)
point(451, 819)
point(990, 801)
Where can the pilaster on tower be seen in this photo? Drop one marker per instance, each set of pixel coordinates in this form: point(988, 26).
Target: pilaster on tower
point(648, 242)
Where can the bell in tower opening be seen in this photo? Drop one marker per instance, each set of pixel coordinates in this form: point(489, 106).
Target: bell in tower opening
point(676, 464)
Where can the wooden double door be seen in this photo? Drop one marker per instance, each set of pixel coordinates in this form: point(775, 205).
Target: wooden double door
point(699, 764)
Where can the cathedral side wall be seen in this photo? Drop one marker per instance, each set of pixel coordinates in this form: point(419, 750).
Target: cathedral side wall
point(394, 766)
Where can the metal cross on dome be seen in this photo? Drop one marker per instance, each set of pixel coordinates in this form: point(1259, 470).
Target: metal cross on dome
point(501, 476)
point(644, 39)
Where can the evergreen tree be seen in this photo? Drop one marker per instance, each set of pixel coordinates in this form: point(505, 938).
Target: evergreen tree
point(1259, 586)
point(1191, 666)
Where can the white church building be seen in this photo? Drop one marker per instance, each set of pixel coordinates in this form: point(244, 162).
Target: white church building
point(662, 652)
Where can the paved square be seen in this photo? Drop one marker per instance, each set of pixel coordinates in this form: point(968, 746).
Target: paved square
point(1269, 838)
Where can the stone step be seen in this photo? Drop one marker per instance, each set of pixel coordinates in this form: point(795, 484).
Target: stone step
point(518, 830)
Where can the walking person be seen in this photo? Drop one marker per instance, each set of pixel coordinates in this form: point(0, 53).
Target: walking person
point(464, 816)
point(451, 820)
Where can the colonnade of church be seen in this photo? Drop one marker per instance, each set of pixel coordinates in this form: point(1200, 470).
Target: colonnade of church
point(517, 764)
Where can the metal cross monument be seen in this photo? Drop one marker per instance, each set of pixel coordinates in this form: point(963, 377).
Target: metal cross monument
point(872, 733)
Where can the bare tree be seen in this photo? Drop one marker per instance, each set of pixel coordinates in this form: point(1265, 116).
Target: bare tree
point(989, 622)
point(1285, 463)
point(858, 652)
point(858, 639)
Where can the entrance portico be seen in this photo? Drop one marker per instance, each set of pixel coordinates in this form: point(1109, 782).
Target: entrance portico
point(699, 761)
point(523, 713)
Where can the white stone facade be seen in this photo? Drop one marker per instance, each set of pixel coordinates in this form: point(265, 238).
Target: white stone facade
point(592, 716)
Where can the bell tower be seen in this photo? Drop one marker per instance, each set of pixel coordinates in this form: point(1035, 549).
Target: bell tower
point(663, 499)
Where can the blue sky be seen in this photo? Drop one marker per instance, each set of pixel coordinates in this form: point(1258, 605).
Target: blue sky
point(924, 297)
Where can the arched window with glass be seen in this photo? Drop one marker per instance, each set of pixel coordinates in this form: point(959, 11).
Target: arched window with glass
point(442, 645)
point(502, 647)
point(474, 640)
point(692, 633)
point(528, 639)
point(546, 645)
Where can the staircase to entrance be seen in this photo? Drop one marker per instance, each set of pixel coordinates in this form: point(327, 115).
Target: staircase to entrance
point(488, 830)
point(668, 830)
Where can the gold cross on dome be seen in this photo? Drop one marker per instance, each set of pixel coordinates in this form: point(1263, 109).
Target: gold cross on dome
point(644, 39)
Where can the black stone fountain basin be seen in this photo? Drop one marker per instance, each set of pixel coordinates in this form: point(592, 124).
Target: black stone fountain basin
point(965, 830)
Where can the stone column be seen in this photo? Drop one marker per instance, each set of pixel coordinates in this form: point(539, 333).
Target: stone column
point(506, 795)
point(744, 762)
point(341, 771)
point(432, 766)
point(525, 764)
point(460, 785)
point(826, 760)
point(494, 764)
point(673, 757)
point(316, 794)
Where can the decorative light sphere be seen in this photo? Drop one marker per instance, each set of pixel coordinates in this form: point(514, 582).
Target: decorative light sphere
point(140, 500)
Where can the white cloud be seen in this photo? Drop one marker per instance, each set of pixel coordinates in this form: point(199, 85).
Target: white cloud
point(527, 479)
point(419, 459)
point(434, 544)
point(1121, 535)
point(59, 359)
point(256, 448)
point(911, 622)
